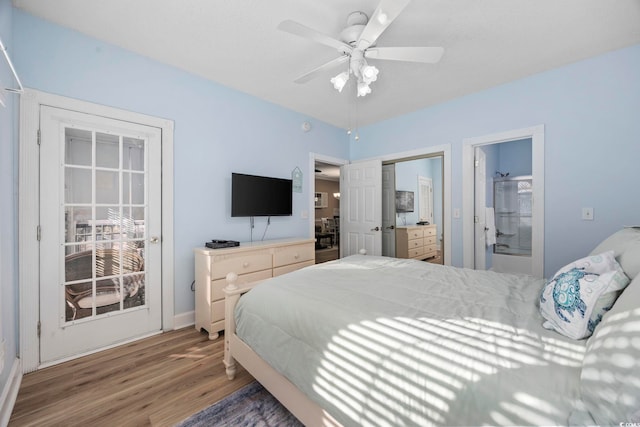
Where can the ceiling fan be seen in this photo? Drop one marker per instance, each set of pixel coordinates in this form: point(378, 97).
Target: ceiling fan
point(357, 43)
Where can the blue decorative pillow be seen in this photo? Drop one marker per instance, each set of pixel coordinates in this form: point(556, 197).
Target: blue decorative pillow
point(575, 299)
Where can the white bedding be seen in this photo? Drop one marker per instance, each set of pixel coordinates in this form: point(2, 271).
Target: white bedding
point(383, 341)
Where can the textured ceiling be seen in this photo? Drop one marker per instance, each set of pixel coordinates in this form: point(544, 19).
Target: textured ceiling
point(236, 43)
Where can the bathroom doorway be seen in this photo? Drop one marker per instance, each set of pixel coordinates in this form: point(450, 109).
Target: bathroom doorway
point(503, 202)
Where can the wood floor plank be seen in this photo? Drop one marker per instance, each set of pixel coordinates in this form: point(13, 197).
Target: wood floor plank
point(156, 381)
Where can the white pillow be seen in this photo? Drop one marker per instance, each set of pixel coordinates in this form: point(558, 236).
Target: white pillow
point(578, 295)
point(610, 378)
point(626, 247)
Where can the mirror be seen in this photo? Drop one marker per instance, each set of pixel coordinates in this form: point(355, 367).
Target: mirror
point(422, 179)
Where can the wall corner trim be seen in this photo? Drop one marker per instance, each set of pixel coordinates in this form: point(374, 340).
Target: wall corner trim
point(10, 392)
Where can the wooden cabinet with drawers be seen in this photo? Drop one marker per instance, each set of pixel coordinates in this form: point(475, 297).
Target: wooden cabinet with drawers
point(417, 242)
point(252, 262)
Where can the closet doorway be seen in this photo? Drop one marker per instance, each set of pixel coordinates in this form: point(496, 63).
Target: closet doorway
point(412, 202)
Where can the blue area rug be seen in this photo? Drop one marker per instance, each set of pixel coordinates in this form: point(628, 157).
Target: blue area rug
point(250, 406)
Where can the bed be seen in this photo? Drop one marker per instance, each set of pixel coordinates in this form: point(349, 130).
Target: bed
point(382, 341)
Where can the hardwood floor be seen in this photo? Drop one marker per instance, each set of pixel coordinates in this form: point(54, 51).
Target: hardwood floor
point(157, 381)
point(327, 254)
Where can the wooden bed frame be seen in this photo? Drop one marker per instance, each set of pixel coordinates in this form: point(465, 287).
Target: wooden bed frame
point(235, 350)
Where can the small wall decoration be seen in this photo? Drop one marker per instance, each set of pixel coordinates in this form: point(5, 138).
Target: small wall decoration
point(296, 177)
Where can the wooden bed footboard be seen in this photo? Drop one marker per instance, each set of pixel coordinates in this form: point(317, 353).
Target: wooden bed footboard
point(232, 295)
point(303, 408)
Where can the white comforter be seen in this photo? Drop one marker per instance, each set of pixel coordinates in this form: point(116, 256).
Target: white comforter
point(383, 341)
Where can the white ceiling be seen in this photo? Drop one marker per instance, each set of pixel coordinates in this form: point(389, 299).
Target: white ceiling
point(236, 43)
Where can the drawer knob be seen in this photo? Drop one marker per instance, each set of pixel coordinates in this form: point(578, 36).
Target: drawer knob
point(296, 256)
point(245, 264)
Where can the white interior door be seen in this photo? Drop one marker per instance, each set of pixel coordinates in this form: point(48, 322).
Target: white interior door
point(480, 223)
point(361, 208)
point(100, 219)
point(389, 210)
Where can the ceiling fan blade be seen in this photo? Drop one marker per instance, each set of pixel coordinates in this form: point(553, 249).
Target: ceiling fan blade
point(386, 12)
point(303, 31)
point(316, 71)
point(428, 55)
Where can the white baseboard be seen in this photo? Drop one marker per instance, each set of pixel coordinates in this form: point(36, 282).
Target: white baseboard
point(184, 320)
point(10, 392)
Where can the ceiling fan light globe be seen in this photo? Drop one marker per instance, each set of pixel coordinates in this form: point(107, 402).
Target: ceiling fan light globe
point(340, 81)
point(363, 89)
point(369, 74)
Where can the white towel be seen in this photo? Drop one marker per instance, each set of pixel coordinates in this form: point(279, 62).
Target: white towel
point(490, 226)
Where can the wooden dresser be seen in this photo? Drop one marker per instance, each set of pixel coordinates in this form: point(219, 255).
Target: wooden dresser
point(252, 262)
point(417, 241)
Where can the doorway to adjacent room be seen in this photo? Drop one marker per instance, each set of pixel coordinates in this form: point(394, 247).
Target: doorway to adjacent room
point(326, 212)
point(97, 189)
point(520, 218)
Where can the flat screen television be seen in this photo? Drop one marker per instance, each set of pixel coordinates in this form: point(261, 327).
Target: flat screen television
point(404, 201)
point(253, 195)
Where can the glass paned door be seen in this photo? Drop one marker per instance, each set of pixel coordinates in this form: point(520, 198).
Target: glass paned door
point(104, 210)
point(101, 278)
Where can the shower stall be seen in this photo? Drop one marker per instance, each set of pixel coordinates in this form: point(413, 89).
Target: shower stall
point(512, 205)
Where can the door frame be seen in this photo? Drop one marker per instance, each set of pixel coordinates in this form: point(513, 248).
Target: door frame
point(445, 150)
point(389, 206)
point(29, 211)
point(313, 157)
point(536, 133)
point(480, 205)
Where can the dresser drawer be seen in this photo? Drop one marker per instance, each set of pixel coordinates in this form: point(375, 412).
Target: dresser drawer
point(243, 279)
point(217, 311)
point(293, 254)
point(279, 271)
point(414, 233)
point(431, 240)
point(240, 263)
point(415, 243)
point(429, 231)
point(416, 252)
point(430, 252)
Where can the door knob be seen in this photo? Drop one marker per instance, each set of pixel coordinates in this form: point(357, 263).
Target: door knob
point(391, 227)
point(154, 239)
point(375, 229)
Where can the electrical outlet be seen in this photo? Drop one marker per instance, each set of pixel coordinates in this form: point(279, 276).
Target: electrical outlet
point(587, 214)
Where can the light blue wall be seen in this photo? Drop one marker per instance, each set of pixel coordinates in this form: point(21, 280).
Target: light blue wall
point(217, 131)
point(590, 111)
point(8, 206)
